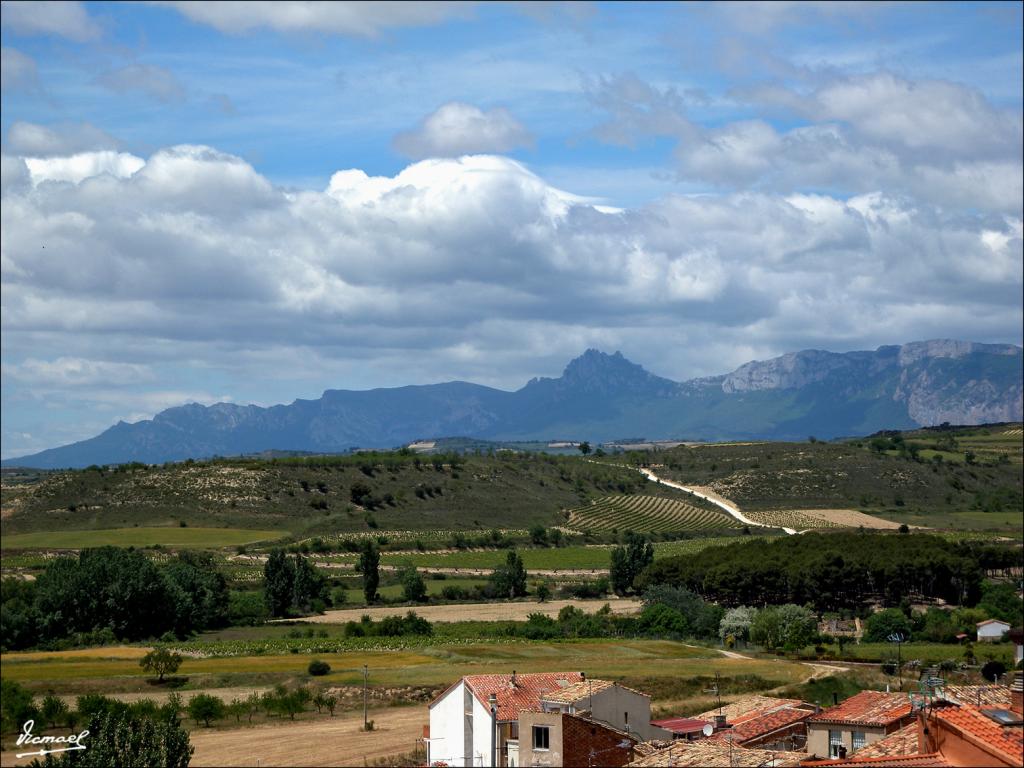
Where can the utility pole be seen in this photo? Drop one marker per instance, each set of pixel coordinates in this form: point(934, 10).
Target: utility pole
point(364, 698)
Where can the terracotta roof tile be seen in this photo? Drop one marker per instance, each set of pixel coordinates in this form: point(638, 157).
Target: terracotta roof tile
point(931, 760)
point(897, 743)
point(979, 695)
point(758, 724)
point(1006, 742)
point(526, 693)
point(867, 708)
point(747, 705)
point(577, 691)
point(709, 754)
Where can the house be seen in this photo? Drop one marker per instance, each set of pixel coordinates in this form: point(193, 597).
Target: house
point(709, 754)
point(968, 735)
point(781, 726)
point(992, 630)
point(463, 731)
point(606, 702)
point(951, 734)
point(853, 724)
point(557, 738)
point(479, 720)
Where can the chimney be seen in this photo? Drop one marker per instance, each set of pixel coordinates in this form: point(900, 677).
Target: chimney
point(583, 676)
point(835, 698)
point(1017, 694)
point(513, 678)
point(719, 722)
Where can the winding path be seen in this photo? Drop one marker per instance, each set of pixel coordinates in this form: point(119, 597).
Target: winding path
point(718, 502)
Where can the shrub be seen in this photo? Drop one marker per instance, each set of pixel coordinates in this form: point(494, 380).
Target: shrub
point(318, 668)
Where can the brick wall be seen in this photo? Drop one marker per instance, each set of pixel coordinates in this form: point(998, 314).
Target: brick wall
point(586, 743)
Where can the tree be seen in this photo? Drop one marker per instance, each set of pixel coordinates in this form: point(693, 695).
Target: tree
point(308, 585)
point(736, 623)
point(543, 592)
point(1000, 601)
point(205, 707)
point(510, 579)
point(879, 627)
point(629, 561)
point(278, 582)
point(414, 589)
point(197, 591)
point(161, 661)
point(54, 710)
point(990, 670)
point(369, 565)
point(538, 535)
point(127, 740)
point(584, 447)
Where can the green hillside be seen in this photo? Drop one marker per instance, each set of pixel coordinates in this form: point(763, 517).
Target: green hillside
point(317, 495)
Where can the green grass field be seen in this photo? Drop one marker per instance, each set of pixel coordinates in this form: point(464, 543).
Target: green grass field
point(566, 558)
point(927, 653)
point(193, 538)
point(648, 513)
point(118, 669)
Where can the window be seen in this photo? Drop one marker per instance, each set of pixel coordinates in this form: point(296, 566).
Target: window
point(859, 739)
point(835, 741)
point(541, 737)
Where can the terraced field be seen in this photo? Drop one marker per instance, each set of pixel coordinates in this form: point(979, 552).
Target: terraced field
point(647, 514)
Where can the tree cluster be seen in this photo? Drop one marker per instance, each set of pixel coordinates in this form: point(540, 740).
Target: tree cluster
point(629, 561)
point(113, 594)
point(291, 585)
point(835, 570)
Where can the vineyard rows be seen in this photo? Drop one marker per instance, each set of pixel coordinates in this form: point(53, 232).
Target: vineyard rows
point(647, 513)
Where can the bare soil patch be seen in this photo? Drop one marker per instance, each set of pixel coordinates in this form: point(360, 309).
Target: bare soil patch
point(477, 611)
point(849, 518)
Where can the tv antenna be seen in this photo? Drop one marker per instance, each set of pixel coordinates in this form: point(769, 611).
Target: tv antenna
point(899, 638)
point(716, 690)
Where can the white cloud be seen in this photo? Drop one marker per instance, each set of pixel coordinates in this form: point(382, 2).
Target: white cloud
point(149, 79)
point(17, 70)
point(77, 372)
point(81, 166)
point(50, 17)
point(459, 129)
point(34, 140)
point(361, 19)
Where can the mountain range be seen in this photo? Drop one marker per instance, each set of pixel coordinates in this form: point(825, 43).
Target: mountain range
point(599, 397)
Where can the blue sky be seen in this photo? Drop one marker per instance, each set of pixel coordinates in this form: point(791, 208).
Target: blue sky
point(696, 185)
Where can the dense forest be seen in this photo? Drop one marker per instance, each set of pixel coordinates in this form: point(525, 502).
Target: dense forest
point(837, 570)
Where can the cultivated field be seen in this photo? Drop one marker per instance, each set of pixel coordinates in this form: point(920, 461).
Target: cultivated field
point(187, 538)
point(503, 611)
point(647, 514)
point(808, 519)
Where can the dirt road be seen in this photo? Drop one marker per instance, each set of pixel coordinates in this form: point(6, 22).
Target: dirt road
point(477, 611)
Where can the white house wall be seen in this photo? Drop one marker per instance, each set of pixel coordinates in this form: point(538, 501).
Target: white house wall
point(481, 734)
point(446, 728)
point(611, 704)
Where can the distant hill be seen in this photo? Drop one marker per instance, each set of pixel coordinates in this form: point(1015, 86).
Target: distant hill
point(599, 397)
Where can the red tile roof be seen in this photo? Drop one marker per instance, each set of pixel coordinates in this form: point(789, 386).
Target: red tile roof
point(898, 743)
point(756, 724)
point(526, 693)
point(932, 760)
point(1005, 742)
point(680, 724)
point(867, 708)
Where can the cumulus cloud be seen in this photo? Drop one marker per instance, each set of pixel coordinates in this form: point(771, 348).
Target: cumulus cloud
point(77, 372)
point(33, 140)
point(17, 70)
point(83, 165)
point(50, 17)
point(458, 129)
point(361, 19)
point(933, 140)
point(151, 80)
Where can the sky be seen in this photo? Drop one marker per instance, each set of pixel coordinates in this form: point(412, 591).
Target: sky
point(254, 202)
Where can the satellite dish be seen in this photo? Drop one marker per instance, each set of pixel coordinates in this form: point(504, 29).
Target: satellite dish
point(708, 729)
